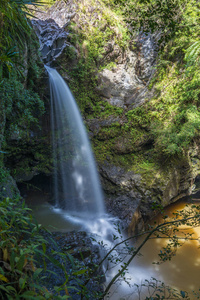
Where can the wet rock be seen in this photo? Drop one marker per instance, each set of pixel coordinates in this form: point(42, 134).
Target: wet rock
point(146, 46)
point(119, 176)
point(132, 200)
point(8, 186)
point(61, 12)
point(51, 29)
point(52, 39)
point(123, 191)
point(78, 244)
point(137, 223)
point(95, 125)
point(73, 263)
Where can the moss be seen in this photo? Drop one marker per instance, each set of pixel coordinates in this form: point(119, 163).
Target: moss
point(28, 158)
point(8, 186)
point(95, 34)
point(150, 138)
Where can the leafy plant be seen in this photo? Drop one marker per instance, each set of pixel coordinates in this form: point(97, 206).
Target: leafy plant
point(15, 32)
point(22, 106)
point(22, 246)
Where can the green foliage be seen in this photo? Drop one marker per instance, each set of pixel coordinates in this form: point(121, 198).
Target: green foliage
point(14, 30)
point(193, 52)
point(158, 290)
point(21, 242)
point(95, 39)
point(27, 251)
point(171, 118)
point(23, 107)
point(15, 34)
point(164, 16)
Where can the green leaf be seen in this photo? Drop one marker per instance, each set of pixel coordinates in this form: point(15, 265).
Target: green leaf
point(55, 262)
point(28, 295)
point(4, 289)
point(44, 247)
point(11, 288)
point(37, 272)
point(20, 263)
point(80, 272)
point(3, 278)
point(22, 282)
point(71, 259)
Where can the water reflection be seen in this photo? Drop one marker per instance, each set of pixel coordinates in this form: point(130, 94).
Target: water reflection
point(183, 271)
point(53, 219)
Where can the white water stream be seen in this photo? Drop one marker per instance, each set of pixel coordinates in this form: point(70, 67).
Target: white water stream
point(76, 183)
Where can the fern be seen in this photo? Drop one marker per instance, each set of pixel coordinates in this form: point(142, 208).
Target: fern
point(192, 52)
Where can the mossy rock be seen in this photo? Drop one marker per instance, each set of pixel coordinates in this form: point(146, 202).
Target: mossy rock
point(8, 186)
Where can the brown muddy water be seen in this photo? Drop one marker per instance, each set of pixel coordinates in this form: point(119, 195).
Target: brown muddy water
point(182, 272)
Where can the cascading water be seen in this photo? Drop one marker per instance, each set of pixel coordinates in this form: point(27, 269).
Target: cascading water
point(76, 183)
point(77, 188)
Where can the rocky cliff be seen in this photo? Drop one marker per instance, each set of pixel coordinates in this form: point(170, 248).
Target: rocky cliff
point(109, 72)
point(24, 125)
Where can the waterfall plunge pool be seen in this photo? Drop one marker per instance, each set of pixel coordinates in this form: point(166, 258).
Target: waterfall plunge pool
point(182, 272)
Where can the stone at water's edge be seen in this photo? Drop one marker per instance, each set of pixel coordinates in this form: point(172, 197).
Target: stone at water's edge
point(131, 200)
point(78, 253)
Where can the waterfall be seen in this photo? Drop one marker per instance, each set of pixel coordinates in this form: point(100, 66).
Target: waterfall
point(77, 190)
point(76, 182)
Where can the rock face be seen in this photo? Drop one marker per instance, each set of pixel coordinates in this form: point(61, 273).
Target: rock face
point(123, 191)
point(126, 84)
point(61, 12)
point(146, 45)
point(131, 199)
point(8, 186)
point(52, 39)
point(51, 30)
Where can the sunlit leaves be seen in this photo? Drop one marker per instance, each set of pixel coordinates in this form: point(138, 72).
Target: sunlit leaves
point(192, 52)
point(15, 30)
